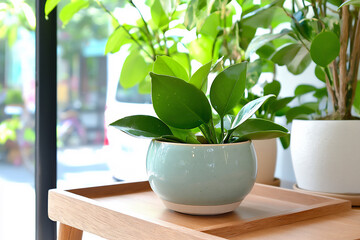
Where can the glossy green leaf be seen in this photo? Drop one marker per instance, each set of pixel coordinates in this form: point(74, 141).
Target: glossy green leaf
point(272, 88)
point(178, 103)
point(228, 88)
point(356, 103)
point(301, 61)
point(183, 134)
point(211, 25)
point(193, 10)
point(257, 129)
point(70, 9)
point(279, 104)
point(116, 40)
point(50, 5)
point(201, 49)
point(337, 3)
point(325, 48)
point(142, 126)
point(286, 54)
point(200, 77)
point(351, 2)
point(165, 65)
point(183, 59)
point(303, 89)
point(320, 93)
point(262, 17)
point(261, 40)
point(285, 141)
point(320, 73)
point(266, 51)
point(246, 34)
point(279, 17)
point(130, 75)
point(299, 112)
point(248, 110)
point(158, 15)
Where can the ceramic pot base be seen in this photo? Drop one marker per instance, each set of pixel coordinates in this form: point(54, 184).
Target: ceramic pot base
point(202, 210)
point(353, 198)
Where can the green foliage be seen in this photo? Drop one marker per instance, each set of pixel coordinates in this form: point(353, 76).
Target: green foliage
point(70, 9)
point(130, 75)
point(179, 104)
point(257, 129)
point(199, 78)
point(325, 48)
point(165, 65)
point(314, 37)
point(182, 105)
point(142, 126)
point(228, 88)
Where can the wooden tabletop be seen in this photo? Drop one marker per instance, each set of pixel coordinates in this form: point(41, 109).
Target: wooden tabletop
point(338, 226)
point(133, 211)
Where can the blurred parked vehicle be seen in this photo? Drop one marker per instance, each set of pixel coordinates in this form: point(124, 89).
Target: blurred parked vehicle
point(127, 161)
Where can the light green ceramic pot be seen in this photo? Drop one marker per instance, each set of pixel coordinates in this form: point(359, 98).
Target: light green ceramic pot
point(202, 179)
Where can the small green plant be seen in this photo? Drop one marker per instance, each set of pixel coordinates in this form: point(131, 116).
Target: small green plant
point(183, 108)
point(271, 109)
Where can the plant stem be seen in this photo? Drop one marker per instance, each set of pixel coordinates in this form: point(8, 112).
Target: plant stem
point(335, 78)
point(320, 23)
point(212, 132)
point(146, 28)
point(222, 130)
point(206, 132)
point(355, 58)
point(330, 89)
point(344, 38)
point(123, 27)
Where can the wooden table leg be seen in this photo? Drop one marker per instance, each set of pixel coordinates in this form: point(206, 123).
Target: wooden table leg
point(69, 233)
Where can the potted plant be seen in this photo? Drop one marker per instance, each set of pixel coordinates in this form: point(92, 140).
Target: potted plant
point(266, 149)
point(222, 29)
point(324, 151)
point(200, 174)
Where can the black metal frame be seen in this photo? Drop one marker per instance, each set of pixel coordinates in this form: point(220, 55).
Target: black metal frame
point(46, 105)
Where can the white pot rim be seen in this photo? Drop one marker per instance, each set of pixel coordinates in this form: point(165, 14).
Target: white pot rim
point(327, 121)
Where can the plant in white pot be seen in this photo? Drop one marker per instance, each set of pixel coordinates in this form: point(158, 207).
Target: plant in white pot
point(325, 151)
point(266, 149)
point(200, 174)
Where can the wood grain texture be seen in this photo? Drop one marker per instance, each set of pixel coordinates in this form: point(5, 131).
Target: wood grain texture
point(133, 211)
point(343, 226)
point(69, 233)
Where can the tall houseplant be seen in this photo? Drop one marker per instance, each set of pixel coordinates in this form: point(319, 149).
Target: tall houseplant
point(187, 31)
point(196, 165)
point(325, 151)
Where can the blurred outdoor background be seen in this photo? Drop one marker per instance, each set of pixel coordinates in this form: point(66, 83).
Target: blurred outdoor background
point(89, 97)
point(82, 88)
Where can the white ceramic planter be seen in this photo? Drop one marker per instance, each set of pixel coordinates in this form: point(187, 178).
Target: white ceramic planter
point(266, 160)
point(326, 155)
